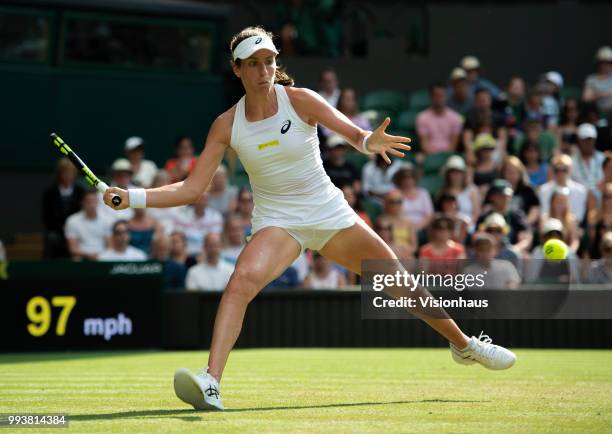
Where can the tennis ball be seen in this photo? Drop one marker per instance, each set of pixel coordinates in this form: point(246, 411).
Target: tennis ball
point(555, 250)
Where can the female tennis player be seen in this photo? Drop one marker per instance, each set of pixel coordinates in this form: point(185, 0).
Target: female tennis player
point(273, 129)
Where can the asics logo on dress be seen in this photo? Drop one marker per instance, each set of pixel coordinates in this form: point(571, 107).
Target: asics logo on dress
point(286, 126)
point(212, 391)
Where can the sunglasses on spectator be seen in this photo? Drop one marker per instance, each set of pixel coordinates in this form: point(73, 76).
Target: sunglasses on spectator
point(395, 201)
point(494, 230)
point(560, 169)
point(120, 231)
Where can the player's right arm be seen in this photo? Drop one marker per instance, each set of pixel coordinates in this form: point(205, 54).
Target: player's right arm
point(189, 190)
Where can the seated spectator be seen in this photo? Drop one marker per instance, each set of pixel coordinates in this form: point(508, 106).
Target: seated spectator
point(606, 168)
point(222, 196)
point(482, 119)
point(533, 107)
point(568, 126)
point(471, 65)
point(348, 106)
point(416, 201)
point(383, 226)
point(498, 200)
point(551, 99)
point(535, 134)
point(340, 171)
point(587, 161)
point(119, 248)
point(181, 166)
point(87, 231)
point(143, 228)
point(144, 170)
point(537, 170)
point(460, 98)
point(598, 86)
point(600, 271)
point(376, 176)
point(525, 197)
point(213, 273)
point(495, 224)
point(121, 176)
point(600, 222)
point(439, 126)
point(328, 86)
point(324, 275)
point(233, 238)
point(178, 250)
point(447, 205)
point(174, 272)
point(59, 201)
point(561, 170)
point(458, 183)
point(196, 221)
point(440, 254)
point(404, 232)
point(498, 273)
point(244, 209)
point(288, 279)
point(165, 216)
point(512, 105)
point(354, 202)
point(486, 168)
point(560, 209)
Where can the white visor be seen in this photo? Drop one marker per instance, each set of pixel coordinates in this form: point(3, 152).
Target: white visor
point(247, 47)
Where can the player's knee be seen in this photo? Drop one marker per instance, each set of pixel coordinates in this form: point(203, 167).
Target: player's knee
point(245, 283)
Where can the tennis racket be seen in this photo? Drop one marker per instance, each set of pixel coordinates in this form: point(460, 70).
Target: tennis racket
point(95, 182)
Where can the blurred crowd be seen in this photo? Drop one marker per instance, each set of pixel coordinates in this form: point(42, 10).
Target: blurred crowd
point(495, 172)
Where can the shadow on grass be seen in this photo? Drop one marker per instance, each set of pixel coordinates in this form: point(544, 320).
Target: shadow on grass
point(189, 415)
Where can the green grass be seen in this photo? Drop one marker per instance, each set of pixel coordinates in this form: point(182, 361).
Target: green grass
point(317, 390)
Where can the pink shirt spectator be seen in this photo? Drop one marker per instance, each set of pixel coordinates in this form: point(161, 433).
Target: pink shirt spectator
point(439, 128)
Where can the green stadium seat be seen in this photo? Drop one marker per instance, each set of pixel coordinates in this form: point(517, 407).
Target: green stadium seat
point(434, 162)
point(432, 183)
point(571, 92)
point(419, 100)
point(388, 100)
point(357, 159)
point(372, 208)
point(407, 120)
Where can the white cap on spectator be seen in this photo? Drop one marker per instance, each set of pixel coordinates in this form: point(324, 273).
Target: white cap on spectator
point(555, 78)
point(470, 62)
point(552, 225)
point(495, 220)
point(121, 164)
point(248, 46)
point(586, 131)
point(133, 142)
point(335, 140)
point(455, 162)
point(458, 74)
point(604, 54)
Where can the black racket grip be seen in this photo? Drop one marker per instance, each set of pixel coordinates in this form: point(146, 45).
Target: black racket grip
point(116, 200)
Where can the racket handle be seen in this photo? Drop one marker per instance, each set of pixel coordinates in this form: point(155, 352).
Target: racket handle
point(102, 187)
point(116, 200)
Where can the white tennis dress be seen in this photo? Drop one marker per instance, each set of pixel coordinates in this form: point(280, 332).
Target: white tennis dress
point(290, 187)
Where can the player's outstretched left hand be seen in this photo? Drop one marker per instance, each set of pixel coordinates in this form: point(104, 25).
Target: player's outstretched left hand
point(382, 143)
point(123, 194)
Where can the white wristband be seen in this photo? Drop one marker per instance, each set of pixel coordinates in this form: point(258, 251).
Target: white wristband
point(364, 147)
point(138, 197)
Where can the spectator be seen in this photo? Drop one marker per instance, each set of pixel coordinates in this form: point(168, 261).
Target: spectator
point(348, 106)
point(551, 100)
point(498, 201)
point(590, 114)
point(383, 226)
point(447, 205)
point(486, 168)
point(460, 99)
point(119, 248)
point(354, 202)
point(340, 171)
point(121, 176)
point(221, 196)
point(288, 279)
point(537, 170)
point(606, 168)
point(174, 272)
point(525, 197)
point(441, 254)
point(512, 105)
point(324, 275)
point(560, 209)
point(328, 86)
point(87, 231)
point(598, 86)
point(471, 65)
point(178, 250)
point(245, 208)
point(416, 201)
point(567, 133)
point(561, 170)
point(587, 161)
point(376, 176)
point(498, 273)
point(59, 201)
point(404, 232)
point(458, 183)
point(534, 133)
point(600, 271)
point(233, 237)
point(600, 222)
point(495, 224)
point(213, 273)
point(179, 168)
point(482, 119)
point(196, 221)
point(143, 228)
point(144, 170)
point(533, 106)
point(165, 216)
point(438, 127)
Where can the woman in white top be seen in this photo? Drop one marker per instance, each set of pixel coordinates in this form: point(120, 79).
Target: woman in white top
point(273, 130)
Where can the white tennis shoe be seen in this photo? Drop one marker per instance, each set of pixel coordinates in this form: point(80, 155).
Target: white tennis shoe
point(481, 350)
point(201, 390)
